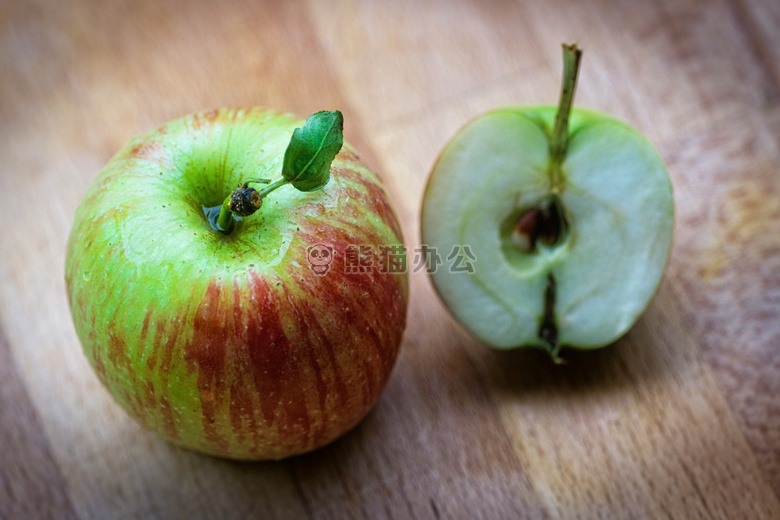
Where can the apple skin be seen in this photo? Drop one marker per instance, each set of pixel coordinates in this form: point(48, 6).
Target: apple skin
point(231, 345)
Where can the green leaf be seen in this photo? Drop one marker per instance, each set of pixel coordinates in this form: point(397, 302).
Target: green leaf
point(311, 150)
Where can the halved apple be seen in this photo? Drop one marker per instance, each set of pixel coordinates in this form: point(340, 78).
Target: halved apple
point(569, 214)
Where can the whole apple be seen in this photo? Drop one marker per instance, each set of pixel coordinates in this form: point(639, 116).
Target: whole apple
point(567, 215)
point(255, 340)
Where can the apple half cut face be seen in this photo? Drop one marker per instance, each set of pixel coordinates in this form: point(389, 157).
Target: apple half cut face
point(567, 256)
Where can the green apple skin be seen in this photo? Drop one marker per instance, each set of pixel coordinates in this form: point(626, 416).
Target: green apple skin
point(618, 197)
point(232, 345)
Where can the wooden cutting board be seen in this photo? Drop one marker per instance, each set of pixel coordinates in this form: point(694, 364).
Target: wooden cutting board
point(679, 419)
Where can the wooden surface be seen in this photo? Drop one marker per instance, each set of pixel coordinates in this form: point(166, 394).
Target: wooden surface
point(680, 419)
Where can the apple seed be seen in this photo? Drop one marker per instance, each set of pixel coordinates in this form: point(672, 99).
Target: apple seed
point(547, 223)
point(526, 231)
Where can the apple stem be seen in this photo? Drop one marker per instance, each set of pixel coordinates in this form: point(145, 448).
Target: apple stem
point(225, 221)
point(306, 165)
point(268, 189)
point(571, 65)
point(243, 201)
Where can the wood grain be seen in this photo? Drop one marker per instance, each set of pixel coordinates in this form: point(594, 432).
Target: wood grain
point(679, 419)
point(31, 483)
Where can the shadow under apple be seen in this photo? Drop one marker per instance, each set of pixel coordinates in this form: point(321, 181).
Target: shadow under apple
point(658, 347)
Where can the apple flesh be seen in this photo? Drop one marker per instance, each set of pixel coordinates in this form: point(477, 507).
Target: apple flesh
point(565, 256)
point(233, 345)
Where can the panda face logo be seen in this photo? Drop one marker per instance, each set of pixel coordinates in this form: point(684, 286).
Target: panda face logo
point(320, 256)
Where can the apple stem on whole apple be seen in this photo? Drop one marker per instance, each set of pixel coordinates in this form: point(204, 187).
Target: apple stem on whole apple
point(306, 166)
point(243, 201)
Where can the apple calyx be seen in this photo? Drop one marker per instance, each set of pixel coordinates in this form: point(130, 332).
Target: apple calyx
point(548, 330)
point(306, 167)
